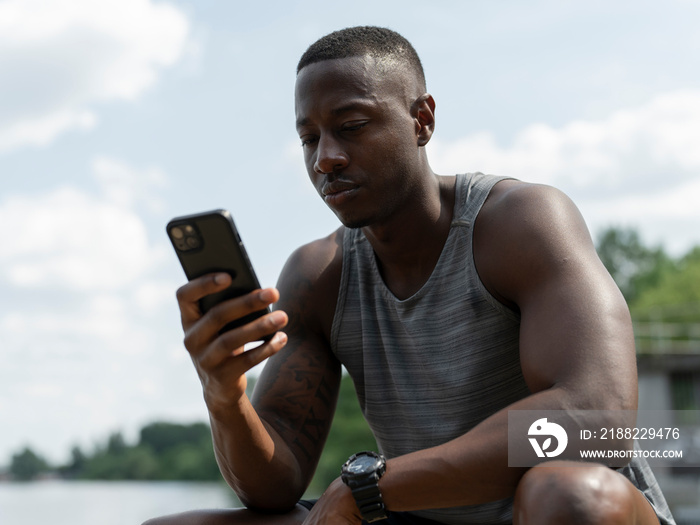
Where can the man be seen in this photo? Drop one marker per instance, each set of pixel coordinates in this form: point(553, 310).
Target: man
point(449, 299)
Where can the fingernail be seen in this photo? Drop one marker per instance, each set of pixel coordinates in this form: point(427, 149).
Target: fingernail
point(266, 296)
point(221, 278)
point(280, 337)
point(277, 318)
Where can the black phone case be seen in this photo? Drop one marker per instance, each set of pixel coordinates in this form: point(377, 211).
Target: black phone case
point(207, 243)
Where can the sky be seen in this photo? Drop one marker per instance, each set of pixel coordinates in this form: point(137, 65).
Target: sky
point(117, 115)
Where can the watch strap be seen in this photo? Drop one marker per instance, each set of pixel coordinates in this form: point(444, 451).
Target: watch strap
point(369, 501)
point(365, 488)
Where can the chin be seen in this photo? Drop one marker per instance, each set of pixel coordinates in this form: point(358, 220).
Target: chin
point(353, 224)
point(361, 217)
point(355, 221)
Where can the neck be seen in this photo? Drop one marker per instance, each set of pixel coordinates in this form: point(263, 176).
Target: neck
point(409, 245)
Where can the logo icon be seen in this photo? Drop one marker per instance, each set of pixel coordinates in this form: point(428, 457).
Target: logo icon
point(542, 427)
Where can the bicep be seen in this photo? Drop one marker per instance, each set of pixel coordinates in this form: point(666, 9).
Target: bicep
point(575, 328)
point(576, 334)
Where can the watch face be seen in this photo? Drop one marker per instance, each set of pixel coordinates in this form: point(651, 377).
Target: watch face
point(363, 464)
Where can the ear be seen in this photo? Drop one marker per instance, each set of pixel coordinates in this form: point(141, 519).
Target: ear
point(423, 111)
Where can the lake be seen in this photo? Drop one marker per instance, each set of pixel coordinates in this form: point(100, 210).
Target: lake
point(131, 503)
point(106, 503)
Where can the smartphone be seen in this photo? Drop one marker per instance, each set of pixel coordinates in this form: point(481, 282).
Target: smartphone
point(207, 243)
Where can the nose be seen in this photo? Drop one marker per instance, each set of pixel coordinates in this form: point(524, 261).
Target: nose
point(330, 156)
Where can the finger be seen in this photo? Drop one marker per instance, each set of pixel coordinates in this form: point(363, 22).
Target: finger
point(232, 343)
point(189, 295)
point(200, 334)
point(258, 330)
point(255, 356)
point(237, 308)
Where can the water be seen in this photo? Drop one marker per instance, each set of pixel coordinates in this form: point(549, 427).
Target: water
point(104, 503)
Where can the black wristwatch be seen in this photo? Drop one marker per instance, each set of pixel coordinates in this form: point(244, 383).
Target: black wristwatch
point(361, 473)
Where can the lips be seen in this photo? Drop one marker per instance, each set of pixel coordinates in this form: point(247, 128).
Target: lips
point(338, 192)
point(337, 186)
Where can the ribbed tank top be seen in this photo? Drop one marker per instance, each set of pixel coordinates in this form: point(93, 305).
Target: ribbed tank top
point(429, 368)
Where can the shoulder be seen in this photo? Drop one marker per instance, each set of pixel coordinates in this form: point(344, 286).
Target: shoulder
point(317, 263)
point(318, 255)
point(526, 233)
point(310, 280)
point(512, 200)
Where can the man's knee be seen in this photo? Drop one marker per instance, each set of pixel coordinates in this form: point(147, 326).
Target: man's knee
point(572, 493)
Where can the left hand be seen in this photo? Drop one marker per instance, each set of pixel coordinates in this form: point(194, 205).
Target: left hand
point(335, 507)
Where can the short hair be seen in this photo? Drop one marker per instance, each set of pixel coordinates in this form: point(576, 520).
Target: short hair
point(378, 42)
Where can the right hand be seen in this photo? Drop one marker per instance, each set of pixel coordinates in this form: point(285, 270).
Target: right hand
point(220, 359)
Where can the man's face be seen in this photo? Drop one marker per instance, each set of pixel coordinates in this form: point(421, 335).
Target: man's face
point(358, 136)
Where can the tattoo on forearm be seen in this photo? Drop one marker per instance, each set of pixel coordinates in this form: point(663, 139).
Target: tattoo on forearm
point(304, 404)
point(300, 393)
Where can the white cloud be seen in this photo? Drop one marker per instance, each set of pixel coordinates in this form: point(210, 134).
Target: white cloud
point(661, 137)
point(679, 202)
point(669, 217)
point(42, 130)
point(59, 58)
point(88, 323)
point(638, 167)
point(125, 186)
point(70, 239)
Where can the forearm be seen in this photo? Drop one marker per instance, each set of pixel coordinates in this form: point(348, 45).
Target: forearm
point(469, 470)
point(254, 460)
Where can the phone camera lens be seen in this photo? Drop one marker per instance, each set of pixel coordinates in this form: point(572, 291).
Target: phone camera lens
point(185, 237)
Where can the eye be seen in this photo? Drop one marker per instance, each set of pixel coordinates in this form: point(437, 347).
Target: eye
point(307, 140)
point(354, 125)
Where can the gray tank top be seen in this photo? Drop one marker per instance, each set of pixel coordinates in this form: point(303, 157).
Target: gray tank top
point(429, 368)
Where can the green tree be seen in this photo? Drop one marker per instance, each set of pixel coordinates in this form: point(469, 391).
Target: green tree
point(139, 463)
point(191, 462)
point(116, 445)
point(163, 436)
point(676, 290)
point(165, 451)
point(118, 460)
point(634, 266)
point(676, 298)
point(184, 452)
point(667, 315)
point(27, 465)
point(76, 465)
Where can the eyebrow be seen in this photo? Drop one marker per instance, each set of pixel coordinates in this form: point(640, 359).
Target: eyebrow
point(352, 106)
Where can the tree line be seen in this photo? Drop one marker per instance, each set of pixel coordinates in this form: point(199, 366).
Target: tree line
point(164, 451)
point(663, 292)
point(654, 284)
point(168, 451)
